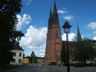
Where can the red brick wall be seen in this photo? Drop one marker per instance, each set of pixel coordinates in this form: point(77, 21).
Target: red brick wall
point(53, 44)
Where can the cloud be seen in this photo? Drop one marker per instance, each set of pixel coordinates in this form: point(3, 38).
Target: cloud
point(71, 36)
point(94, 32)
point(68, 17)
point(92, 25)
point(65, 11)
point(28, 2)
point(94, 38)
point(35, 39)
point(65, 8)
point(23, 20)
point(62, 11)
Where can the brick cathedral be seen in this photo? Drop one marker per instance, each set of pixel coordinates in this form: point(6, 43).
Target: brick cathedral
point(54, 41)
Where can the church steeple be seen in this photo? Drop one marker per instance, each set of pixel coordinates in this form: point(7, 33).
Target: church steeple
point(55, 8)
point(53, 17)
point(55, 14)
point(53, 42)
point(78, 31)
point(50, 16)
point(50, 19)
point(78, 34)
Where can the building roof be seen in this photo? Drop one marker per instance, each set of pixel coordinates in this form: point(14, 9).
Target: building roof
point(17, 47)
point(40, 57)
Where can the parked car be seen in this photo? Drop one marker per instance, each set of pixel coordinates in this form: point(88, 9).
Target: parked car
point(79, 64)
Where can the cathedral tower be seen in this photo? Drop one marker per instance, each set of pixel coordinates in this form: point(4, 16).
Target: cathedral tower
point(54, 42)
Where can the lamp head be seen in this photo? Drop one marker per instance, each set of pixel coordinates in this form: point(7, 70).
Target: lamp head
point(66, 27)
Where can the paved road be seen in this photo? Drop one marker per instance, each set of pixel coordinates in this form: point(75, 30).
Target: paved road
point(46, 68)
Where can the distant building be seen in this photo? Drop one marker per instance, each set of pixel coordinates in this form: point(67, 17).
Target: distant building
point(17, 55)
point(26, 60)
point(39, 59)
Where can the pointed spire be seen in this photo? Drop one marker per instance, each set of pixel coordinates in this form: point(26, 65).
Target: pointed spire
point(55, 8)
point(50, 16)
point(55, 14)
point(78, 34)
point(50, 19)
point(78, 31)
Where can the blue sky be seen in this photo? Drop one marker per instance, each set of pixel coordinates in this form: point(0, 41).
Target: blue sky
point(33, 21)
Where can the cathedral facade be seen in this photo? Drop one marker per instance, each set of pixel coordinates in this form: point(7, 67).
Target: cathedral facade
point(54, 41)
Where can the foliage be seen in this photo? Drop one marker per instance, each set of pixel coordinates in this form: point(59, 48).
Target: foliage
point(32, 57)
point(52, 63)
point(83, 50)
point(8, 33)
point(63, 53)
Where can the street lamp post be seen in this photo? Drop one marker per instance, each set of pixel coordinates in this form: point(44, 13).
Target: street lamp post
point(67, 27)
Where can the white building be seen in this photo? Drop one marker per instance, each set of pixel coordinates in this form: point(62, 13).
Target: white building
point(17, 55)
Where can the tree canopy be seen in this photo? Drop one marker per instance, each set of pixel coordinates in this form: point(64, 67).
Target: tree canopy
point(8, 32)
point(83, 50)
point(32, 57)
point(64, 53)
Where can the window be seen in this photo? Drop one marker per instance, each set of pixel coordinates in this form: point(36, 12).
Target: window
point(13, 60)
point(19, 60)
point(19, 54)
point(14, 54)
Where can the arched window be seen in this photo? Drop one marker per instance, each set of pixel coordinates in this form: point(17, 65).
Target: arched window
point(57, 34)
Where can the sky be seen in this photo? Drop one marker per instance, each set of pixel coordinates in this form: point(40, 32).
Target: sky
point(33, 21)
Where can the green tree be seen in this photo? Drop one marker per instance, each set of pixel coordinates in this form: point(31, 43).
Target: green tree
point(83, 50)
point(32, 57)
point(63, 53)
point(8, 21)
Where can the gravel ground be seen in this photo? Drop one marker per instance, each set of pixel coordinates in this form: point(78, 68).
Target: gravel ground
point(47, 68)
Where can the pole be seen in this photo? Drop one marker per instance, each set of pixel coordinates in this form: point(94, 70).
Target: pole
point(68, 66)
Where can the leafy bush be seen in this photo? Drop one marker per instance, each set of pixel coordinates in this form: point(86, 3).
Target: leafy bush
point(52, 63)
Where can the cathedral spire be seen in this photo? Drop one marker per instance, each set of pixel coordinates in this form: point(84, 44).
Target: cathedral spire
point(78, 31)
point(55, 14)
point(78, 34)
point(50, 16)
point(55, 8)
point(50, 19)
